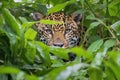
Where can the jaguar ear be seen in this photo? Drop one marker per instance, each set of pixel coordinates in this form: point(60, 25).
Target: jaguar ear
point(37, 16)
point(77, 17)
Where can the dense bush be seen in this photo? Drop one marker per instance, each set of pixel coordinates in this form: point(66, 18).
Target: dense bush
point(22, 57)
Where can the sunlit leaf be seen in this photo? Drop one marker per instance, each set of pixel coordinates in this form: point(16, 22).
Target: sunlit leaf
point(50, 22)
point(31, 77)
point(60, 52)
point(8, 70)
point(81, 52)
point(27, 24)
point(30, 34)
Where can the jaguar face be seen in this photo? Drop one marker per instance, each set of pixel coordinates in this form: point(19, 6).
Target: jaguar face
point(65, 35)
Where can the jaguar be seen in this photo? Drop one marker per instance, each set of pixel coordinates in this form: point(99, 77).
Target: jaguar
point(65, 35)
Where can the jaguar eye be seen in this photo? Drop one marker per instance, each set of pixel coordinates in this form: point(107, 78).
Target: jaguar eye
point(48, 31)
point(67, 30)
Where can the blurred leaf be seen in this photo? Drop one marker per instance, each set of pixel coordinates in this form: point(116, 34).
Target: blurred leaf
point(93, 25)
point(109, 43)
point(81, 52)
point(95, 1)
point(109, 74)
point(8, 70)
point(116, 27)
point(59, 7)
point(113, 63)
point(60, 52)
point(30, 34)
point(1, 20)
point(42, 8)
point(95, 73)
point(64, 72)
point(27, 24)
point(114, 8)
point(97, 61)
point(30, 51)
point(95, 46)
point(11, 21)
point(43, 52)
point(31, 77)
point(3, 77)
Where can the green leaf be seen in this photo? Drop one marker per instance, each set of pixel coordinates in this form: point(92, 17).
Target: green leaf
point(27, 24)
point(8, 70)
point(116, 27)
point(43, 53)
point(113, 63)
point(60, 52)
point(109, 43)
point(63, 73)
point(95, 73)
point(95, 46)
point(30, 34)
point(113, 8)
point(30, 51)
point(31, 77)
point(11, 21)
point(93, 25)
point(57, 8)
point(81, 52)
point(52, 22)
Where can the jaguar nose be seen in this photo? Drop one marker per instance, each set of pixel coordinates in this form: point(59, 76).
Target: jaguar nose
point(58, 44)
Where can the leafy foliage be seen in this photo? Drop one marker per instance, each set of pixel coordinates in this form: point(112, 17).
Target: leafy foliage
point(22, 57)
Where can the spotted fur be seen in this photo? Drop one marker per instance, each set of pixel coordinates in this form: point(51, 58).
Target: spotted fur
point(64, 35)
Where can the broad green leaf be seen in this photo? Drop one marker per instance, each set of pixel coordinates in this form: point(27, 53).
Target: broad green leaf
point(60, 52)
point(109, 74)
point(30, 34)
point(109, 43)
point(93, 25)
point(8, 70)
point(81, 52)
point(63, 73)
point(116, 27)
point(113, 63)
point(11, 21)
point(31, 77)
point(30, 51)
point(95, 46)
point(61, 6)
point(57, 8)
point(43, 52)
point(95, 73)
